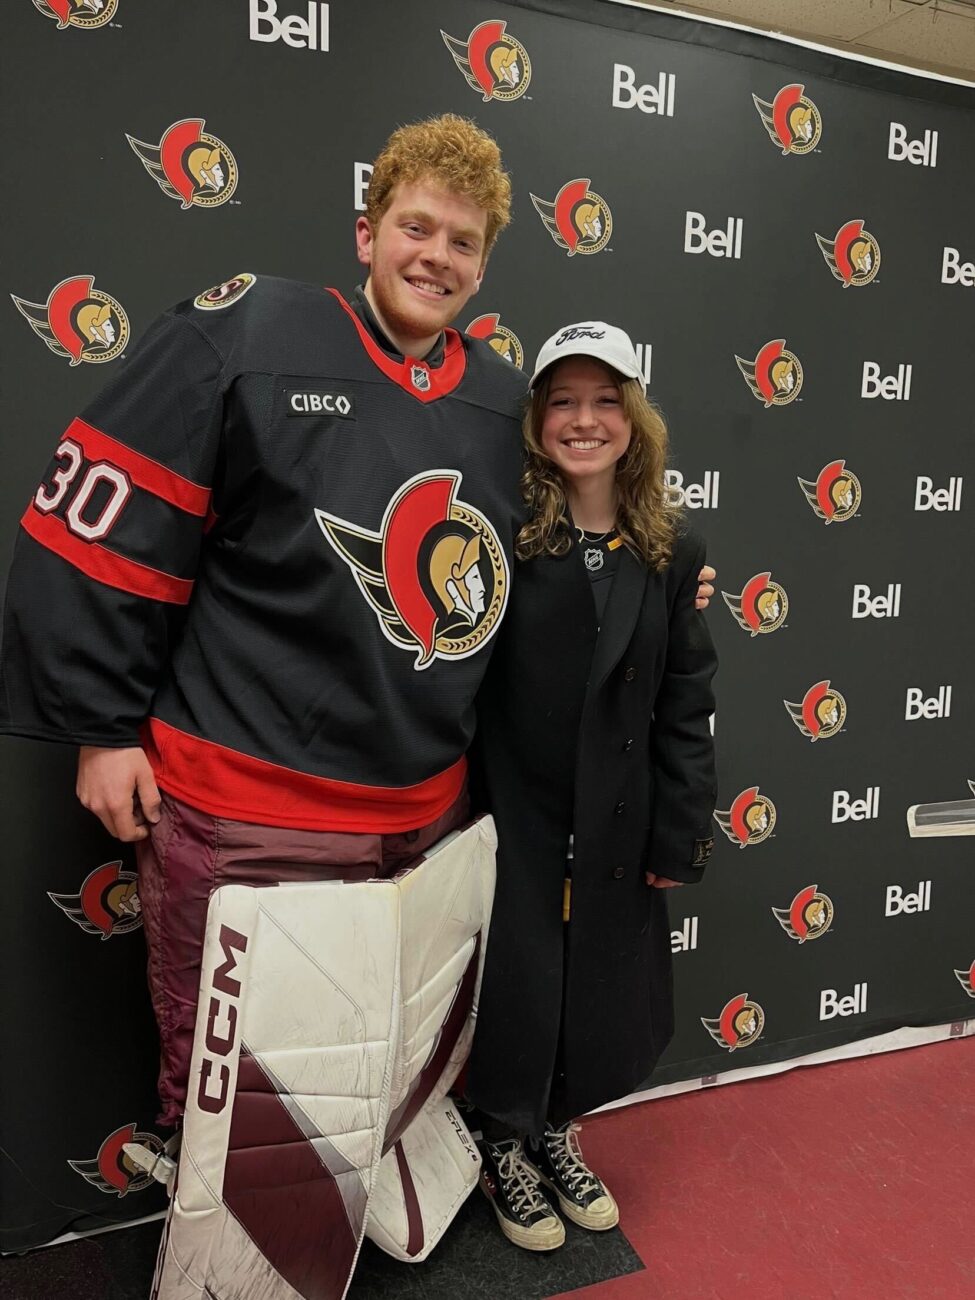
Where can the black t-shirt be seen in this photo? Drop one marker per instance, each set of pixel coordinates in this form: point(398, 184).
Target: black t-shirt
point(600, 554)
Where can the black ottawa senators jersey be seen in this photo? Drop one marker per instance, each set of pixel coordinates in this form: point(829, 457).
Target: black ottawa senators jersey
point(276, 557)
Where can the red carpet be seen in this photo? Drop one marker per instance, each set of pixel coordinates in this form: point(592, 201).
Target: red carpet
point(854, 1180)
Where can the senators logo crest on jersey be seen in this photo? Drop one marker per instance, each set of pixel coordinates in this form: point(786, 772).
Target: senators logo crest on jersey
point(749, 820)
point(78, 321)
point(821, 714)
point(222, 295)
point(835, 494)
point(107, 902)
point(762, 605)
point(740, 1024)
point(78, 13)
point(504, 341)
point(775, 376)
point(793, 122)
point(579, 220)
point(853, 255)
point(113, 1171)
point(808, 916)
point(435, 573)
point(966, 978)
point(189, 165)
point(492, 63)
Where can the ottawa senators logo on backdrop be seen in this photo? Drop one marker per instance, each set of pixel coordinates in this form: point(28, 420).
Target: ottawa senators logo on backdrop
point(579, 220)
point(835, 495)
point(821, 714)
point(114, 1172)
point(966, 978)
point(749, 820)
point(504, 341)
point(435, 573)
point(775, 376)
point(808, 916)
point(188, 165)
point(493, 63)
point(107, 902)
point(78, 321)
point(793, 122)
point(853, 255)
point(740, 1024)
point(78, 13)
point(761, 607)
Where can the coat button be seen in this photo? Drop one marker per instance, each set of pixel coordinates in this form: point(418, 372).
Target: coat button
point(629, 674)
point(627, 745)
point(619, 808)
point(619, 873)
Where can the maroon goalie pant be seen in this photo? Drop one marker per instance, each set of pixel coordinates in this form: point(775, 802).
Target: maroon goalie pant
point(190, 853)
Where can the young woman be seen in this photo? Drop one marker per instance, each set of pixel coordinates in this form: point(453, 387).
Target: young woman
point(598, 767)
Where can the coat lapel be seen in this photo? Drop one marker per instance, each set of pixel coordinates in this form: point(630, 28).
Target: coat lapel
point(619, 620)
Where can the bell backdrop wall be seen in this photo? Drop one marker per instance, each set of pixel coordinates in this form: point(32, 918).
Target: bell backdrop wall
point(788, 236)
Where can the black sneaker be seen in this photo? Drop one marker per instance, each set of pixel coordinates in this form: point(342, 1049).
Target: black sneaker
point(511, 1185)
point(583, 1197)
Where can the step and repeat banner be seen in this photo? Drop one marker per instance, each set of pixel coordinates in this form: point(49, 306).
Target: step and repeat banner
point(790, 240)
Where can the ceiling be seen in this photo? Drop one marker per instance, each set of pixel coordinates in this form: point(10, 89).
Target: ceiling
point(935, 35)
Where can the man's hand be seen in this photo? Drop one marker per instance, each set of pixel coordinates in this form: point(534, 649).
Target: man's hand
point(661, 882)
point(705, 591)
point(117, 785)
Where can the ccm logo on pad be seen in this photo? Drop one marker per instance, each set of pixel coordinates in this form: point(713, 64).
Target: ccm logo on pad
point(301, 401)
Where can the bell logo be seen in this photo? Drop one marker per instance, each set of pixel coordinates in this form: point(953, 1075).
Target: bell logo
point(846, 809)
point(928, 497)
point(892, 388)
point(938, 706)
point(695, 496)
point(719, 243)
point(865, 606)
point(955, 271)
point(308, 33)
point(657, 99)
point(644, 359)
point(831, 1004)
point(361, 176)
point(898, 902)
point(684, 939)
point(920, 153)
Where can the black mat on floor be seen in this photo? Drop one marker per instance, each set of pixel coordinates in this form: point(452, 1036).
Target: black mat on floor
point(473, 1262)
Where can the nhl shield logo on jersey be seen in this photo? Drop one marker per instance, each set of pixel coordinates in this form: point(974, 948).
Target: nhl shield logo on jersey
point(78, 13)
point(762, 605)
point(808, 916)
point(579, 220)
point(113, 1171)
point(793, 122)
point(505, 342)
point(107, 902)
point(749, 820)
point(740, 1024)
point(435, 573)
point(189, 165)
point(853, 255)
point(222, 295)
point(492, 63)
point(966, 978)
point(775, 376)
point(78, 321)
point(821, 714)
point(835, 494)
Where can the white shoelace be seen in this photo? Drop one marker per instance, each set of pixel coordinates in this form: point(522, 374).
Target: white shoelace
point(521, 1185)
point(563, 1147)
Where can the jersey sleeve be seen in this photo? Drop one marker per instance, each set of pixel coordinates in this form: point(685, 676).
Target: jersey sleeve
point(109, 544)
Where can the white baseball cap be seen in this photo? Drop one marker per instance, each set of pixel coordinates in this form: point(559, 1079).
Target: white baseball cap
point(591, 338)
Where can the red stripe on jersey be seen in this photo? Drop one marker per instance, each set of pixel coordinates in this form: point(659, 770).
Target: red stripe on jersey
point(143, 471)
point(443, 378)
point(105, 566)
point(227, 783)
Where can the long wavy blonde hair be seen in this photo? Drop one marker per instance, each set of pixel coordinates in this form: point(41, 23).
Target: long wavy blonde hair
point(646, 517)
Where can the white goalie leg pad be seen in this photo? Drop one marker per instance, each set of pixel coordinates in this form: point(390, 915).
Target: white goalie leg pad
point(431, 1165)
point(289, 1087)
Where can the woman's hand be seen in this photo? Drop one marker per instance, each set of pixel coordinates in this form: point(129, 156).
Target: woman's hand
point(705, 591)
point(661, 882)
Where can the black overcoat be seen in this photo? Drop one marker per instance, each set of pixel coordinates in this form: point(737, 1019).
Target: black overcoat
point(604, 733)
